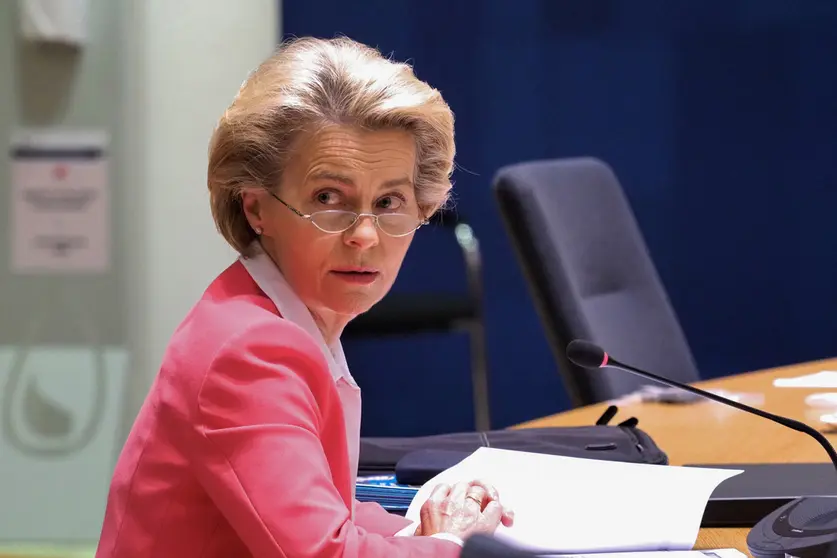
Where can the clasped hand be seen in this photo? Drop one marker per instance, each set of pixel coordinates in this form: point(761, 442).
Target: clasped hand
point(462, 510)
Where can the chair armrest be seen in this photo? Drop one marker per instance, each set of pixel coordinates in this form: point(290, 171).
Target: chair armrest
point(468, 243)
point(470, 247)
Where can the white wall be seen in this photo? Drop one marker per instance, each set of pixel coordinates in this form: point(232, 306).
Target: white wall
point(185, 60)
point(156, 75)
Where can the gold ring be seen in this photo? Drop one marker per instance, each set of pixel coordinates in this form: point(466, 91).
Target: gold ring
point(474, 498)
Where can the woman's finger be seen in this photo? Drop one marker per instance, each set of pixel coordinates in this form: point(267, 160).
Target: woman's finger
point(426, 516)
point(458, 493)
point(476, 497)
point(508, 517)
point(430, 511)
point(438, 495)
point(488, 487)
point(492, 515)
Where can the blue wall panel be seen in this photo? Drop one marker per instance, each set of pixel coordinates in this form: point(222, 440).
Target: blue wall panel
point(720, 118)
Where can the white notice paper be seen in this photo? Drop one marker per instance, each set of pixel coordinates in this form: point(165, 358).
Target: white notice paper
point(60, 202)
point(571, 505)
point(823, 379)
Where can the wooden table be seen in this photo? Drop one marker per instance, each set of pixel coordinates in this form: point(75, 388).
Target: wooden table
point(711, 433)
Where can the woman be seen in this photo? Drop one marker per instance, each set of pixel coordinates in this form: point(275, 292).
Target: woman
point(320, 172)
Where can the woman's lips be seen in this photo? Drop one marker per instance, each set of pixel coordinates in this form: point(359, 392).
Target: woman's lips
point(358, 275)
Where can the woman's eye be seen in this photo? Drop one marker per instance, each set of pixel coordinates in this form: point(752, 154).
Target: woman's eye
point(326, 198)
point(390, 203)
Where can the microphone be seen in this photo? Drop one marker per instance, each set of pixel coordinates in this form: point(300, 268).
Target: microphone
point(589, 355)
point(805, 527)
point(485, 546)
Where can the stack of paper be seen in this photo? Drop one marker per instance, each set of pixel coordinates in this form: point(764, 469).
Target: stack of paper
point(386, 491)
point(568, 505)
point(822, 379)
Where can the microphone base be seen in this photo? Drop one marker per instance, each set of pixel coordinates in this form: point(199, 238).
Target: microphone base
point(803, 528)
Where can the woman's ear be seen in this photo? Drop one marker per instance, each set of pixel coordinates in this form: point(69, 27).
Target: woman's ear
point(251, 203)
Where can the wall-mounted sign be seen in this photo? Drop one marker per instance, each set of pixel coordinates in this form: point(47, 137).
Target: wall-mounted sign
point(60, 202)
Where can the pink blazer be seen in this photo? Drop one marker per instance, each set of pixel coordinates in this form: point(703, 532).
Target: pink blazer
point(240, 448)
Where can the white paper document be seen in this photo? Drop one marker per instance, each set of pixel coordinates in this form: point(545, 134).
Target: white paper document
point(568, 505)
point(822, 379)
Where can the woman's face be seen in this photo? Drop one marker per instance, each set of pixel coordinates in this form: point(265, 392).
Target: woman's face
point(339, 168)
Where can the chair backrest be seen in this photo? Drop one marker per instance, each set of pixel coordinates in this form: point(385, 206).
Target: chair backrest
point(590, 273)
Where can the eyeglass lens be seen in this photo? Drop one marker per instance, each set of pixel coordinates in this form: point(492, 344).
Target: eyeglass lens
point(391, 223)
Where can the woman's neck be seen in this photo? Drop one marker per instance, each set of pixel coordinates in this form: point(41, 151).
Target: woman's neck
point(330, 324)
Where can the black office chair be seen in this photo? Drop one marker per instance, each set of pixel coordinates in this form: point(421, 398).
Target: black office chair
point(590, 274)
point(400, 314)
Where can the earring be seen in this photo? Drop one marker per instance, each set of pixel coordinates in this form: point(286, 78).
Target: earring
point(258, 231)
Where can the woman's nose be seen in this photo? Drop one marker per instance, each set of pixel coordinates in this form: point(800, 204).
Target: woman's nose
point(364, 233)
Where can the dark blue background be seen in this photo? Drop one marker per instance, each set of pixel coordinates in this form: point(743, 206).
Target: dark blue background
point(719, 117)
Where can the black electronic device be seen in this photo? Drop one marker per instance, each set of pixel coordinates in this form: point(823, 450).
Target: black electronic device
point(745, 499)
point(486, 546)
point(806, 527)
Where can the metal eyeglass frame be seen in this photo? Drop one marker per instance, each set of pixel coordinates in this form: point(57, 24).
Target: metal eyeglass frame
point(374, 216)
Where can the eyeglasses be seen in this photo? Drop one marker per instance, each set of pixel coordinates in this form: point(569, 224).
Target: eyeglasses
point(334, 221)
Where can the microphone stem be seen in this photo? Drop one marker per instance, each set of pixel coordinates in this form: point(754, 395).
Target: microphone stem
point(790, 423)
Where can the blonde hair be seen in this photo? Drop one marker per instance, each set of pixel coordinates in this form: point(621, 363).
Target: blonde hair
point(313, 82)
